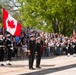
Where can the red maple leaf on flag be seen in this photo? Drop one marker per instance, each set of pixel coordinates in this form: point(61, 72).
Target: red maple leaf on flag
point(11, 24)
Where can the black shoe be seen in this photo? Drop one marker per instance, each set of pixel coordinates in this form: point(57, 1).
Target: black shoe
point(8, 64)
point(2, 65)
point(32, 68)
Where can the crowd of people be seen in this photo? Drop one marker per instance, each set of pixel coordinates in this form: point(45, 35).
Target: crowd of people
point(53, 43)
point(45, 44)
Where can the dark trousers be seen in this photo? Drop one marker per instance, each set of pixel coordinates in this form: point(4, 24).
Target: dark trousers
point(31, 60)
point(70, 50)
point(38, 59)
point(1, 54)
point(9, 54)
point(73, 51)
point(65, 50)
point(15, 52)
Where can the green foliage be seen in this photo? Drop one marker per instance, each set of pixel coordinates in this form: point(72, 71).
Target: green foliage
point(57, 16)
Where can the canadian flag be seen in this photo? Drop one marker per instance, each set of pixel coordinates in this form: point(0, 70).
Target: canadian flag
point(10, 24)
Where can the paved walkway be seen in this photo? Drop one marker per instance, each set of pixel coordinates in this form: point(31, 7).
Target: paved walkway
point(57, 65)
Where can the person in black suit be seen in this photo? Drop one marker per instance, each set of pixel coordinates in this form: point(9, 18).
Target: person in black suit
point(38, 52)
point(31, 51)
point(1, 50)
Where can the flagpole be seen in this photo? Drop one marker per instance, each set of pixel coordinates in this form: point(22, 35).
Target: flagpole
point(2, 21)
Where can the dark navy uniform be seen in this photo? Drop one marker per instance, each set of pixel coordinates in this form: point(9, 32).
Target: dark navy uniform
point(8, 44)
point(74, 49)
point(38, 56)
point(1, 50)
point(69, 49)
point(31, 50)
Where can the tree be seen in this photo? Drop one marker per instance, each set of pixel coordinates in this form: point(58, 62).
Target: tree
point(48, 15)
point(57, 16)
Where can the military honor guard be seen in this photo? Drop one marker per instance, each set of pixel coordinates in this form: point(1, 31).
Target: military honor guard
point(8, 44)
point(38, 52)
point(31, 51)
